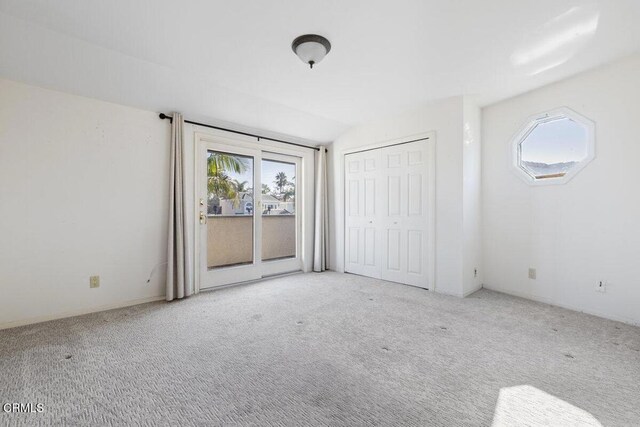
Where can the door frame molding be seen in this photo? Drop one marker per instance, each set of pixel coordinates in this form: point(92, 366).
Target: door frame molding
point(430, 139)
point(306, 190)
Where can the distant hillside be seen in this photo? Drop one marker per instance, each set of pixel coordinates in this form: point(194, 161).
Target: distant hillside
point(545, 169)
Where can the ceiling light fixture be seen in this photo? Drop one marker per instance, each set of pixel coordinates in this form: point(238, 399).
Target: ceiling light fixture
point(311, 48)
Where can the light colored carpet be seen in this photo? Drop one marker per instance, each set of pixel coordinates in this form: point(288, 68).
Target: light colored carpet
point(326, 349)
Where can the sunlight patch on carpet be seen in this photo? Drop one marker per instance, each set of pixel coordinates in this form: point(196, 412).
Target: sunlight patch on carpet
point(527, 405)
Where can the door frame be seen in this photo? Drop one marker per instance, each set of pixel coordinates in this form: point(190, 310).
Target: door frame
point(306, 190)
point(430, 140)
point(243, 272)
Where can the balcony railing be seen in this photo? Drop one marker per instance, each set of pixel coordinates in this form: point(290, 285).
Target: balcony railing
point(230, 239)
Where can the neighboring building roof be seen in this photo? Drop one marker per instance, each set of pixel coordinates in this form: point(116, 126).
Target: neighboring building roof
point(268, 198)
point(276, 212)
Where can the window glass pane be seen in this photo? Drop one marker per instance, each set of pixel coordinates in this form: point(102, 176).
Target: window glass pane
point(230, 209)
point(278, 210)
point(552, 148)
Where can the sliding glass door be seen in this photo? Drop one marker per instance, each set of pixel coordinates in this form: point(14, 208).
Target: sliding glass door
point(249, 227)
point(281, 223)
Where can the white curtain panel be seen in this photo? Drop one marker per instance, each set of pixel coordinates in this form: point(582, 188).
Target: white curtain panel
point(321, 227)
point(179, 268)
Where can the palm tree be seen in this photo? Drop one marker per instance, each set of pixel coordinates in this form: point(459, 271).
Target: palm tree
point(265, 189)
point(218, 182)
point(220, 185)
point(220, 162)
point(281, 181)
point(240, 187)
point(289, 194)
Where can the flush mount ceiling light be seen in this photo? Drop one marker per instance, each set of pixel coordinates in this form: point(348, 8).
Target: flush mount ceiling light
point(311, 48)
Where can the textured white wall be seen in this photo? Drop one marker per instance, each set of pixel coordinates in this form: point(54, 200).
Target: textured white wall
point(83, 191)
point(445, 118)
point(578, 233)
point(471, 198)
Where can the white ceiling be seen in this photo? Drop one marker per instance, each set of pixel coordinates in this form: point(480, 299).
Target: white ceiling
point(231, 61)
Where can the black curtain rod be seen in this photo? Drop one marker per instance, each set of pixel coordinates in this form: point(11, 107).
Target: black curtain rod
point(163, 116)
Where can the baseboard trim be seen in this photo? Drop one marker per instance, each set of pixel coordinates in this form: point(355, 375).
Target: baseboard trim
point(472, 291)
point(448, 293)
point(73, 313)
point(567, 306)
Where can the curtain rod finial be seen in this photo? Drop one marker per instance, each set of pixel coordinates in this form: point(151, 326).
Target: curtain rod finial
point(164, 116)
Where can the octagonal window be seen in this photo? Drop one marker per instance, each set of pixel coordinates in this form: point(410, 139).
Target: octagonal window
point(553, 147)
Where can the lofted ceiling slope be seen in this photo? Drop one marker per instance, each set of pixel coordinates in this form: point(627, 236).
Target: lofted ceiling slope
point(231, 61)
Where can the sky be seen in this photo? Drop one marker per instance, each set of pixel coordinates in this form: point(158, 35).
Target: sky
point(557, 141)
point(269, 170)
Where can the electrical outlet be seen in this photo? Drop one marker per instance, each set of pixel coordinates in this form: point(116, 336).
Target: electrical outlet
point(532, 273)
point(601, 286)
point(94, 281)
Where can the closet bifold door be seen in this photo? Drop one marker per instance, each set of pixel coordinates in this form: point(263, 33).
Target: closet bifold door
point(387, 213)
point(362, 236)
point(405, 220)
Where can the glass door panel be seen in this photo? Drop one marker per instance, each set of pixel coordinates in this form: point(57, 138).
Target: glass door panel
point(249, 217)
point(279, 225)
point(230, 210)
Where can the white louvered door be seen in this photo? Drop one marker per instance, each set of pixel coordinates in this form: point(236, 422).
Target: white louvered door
point(387, 213)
